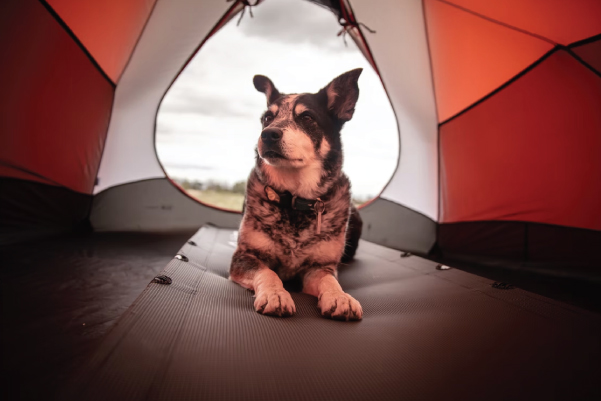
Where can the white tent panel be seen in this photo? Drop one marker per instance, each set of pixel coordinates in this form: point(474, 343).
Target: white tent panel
point(172, 33)
point(400, 49)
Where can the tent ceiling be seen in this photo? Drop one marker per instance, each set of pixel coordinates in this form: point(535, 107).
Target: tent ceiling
point(162, 51)
point(515, 157)
point(472, 56)
point(109, 29)
point(55, 104)
point(560, 21)
point(590, 53)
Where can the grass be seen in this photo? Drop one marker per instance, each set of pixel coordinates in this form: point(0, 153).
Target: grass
point(232, 200)
point(219, 198)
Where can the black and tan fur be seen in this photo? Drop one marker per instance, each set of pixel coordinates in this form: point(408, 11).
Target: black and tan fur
point(300, 151)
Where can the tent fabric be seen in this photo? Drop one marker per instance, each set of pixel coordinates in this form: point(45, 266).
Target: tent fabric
point(162, 51)
point(562, 22)
point(61, 295)
point(472, 56)
point(109, 29)
point(406, 75)
point(31, 210)
point(522, 246)
point(590, 53)
point(55, 104)
point(382, 219)
point(154, 205)
point(514, 155)
point(426, 333)
point(496, 109)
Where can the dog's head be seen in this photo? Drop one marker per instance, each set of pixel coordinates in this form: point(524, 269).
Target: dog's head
point(303, 130)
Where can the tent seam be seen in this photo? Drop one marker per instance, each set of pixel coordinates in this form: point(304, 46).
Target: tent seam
point(231, 11)
point(115, 93)
point(27, 171)
point(581, 61)
point(501, 23)
point(506, 84)
point(375, 66)
point(69, 32)
point(438, 158)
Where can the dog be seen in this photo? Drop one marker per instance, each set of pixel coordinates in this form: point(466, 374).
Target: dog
point(298, 220)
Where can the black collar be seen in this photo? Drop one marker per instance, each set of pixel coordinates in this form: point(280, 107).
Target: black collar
point(286, 200)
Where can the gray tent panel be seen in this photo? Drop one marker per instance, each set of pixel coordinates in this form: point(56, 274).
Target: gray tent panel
point(154, 205)
point(390, 224)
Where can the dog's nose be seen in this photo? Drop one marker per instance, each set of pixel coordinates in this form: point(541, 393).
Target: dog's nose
point(271, 135)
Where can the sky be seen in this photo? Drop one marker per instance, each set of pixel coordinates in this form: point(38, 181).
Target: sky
point(208, 124)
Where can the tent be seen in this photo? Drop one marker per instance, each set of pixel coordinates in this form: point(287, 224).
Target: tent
point(497, 109)
point(498, 106)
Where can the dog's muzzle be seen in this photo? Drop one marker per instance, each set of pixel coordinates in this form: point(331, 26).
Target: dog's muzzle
point(271, 146)
point(271, 136)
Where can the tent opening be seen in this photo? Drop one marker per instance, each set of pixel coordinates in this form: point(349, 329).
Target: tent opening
point(208, 122)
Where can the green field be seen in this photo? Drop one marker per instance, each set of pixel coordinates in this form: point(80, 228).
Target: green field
point(230, 200)
point(224, 199)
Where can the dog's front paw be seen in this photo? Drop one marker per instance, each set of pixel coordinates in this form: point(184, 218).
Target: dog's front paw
point(275, 303)
point(340, 306)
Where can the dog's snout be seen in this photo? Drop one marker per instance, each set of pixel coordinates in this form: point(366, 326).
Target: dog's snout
point(271, 135)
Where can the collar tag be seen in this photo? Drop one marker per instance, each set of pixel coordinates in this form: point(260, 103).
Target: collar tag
point(319, 207)
point(271, 194)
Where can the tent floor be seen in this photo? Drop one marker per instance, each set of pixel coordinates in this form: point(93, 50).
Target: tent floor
point(61, 295)
point(426, 333)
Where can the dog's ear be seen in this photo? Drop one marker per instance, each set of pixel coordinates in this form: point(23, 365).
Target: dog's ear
point(342, 94)
point(264, 84)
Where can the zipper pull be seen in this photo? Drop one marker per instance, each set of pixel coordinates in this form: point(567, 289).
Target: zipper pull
point(319, 207)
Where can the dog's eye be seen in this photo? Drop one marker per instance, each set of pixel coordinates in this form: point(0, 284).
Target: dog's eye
point(267, 119)
point(306, 117)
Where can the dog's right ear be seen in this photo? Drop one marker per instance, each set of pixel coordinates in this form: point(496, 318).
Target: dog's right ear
point(264, 84)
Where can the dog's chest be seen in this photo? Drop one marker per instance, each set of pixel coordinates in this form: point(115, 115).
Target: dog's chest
point(294, 232)
point(291, 238)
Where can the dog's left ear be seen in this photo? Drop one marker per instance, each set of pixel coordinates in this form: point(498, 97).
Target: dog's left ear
point(264, 84)
point(342, 94)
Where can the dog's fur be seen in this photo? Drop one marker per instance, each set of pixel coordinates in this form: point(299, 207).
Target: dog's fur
point(300, 151)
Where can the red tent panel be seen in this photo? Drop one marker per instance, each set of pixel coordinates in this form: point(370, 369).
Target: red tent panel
point(54, 103)
point(590, 53)
point(472, 56)
point(109, 29)
point(561, 21)
point(528, 153)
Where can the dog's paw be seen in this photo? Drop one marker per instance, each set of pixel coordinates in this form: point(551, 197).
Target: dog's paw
point(275, 303)
point(340, 306)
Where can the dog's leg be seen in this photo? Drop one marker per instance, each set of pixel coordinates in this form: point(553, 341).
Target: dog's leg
point(333, 302)
point(270, 296)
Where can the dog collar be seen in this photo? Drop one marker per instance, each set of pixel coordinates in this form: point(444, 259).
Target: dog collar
point(288, 201)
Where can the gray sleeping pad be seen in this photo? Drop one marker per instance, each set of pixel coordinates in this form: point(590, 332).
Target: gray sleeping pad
point(427, 334)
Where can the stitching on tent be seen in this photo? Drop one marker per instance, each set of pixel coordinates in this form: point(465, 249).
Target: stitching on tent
point(586, 41)
point(68, 30)
point(467, 10)
point(584, 63)
point(439, 169)
point(506, 84)
point(131, 54)
point(375, 66)
point(27, 171)
point(229, 14)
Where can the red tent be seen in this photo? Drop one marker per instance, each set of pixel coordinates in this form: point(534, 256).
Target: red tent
point(497, 104)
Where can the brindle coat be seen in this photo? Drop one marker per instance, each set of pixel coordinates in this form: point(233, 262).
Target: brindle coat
point(300, 151)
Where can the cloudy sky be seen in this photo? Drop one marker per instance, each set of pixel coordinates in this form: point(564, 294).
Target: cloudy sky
point(208, 123)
